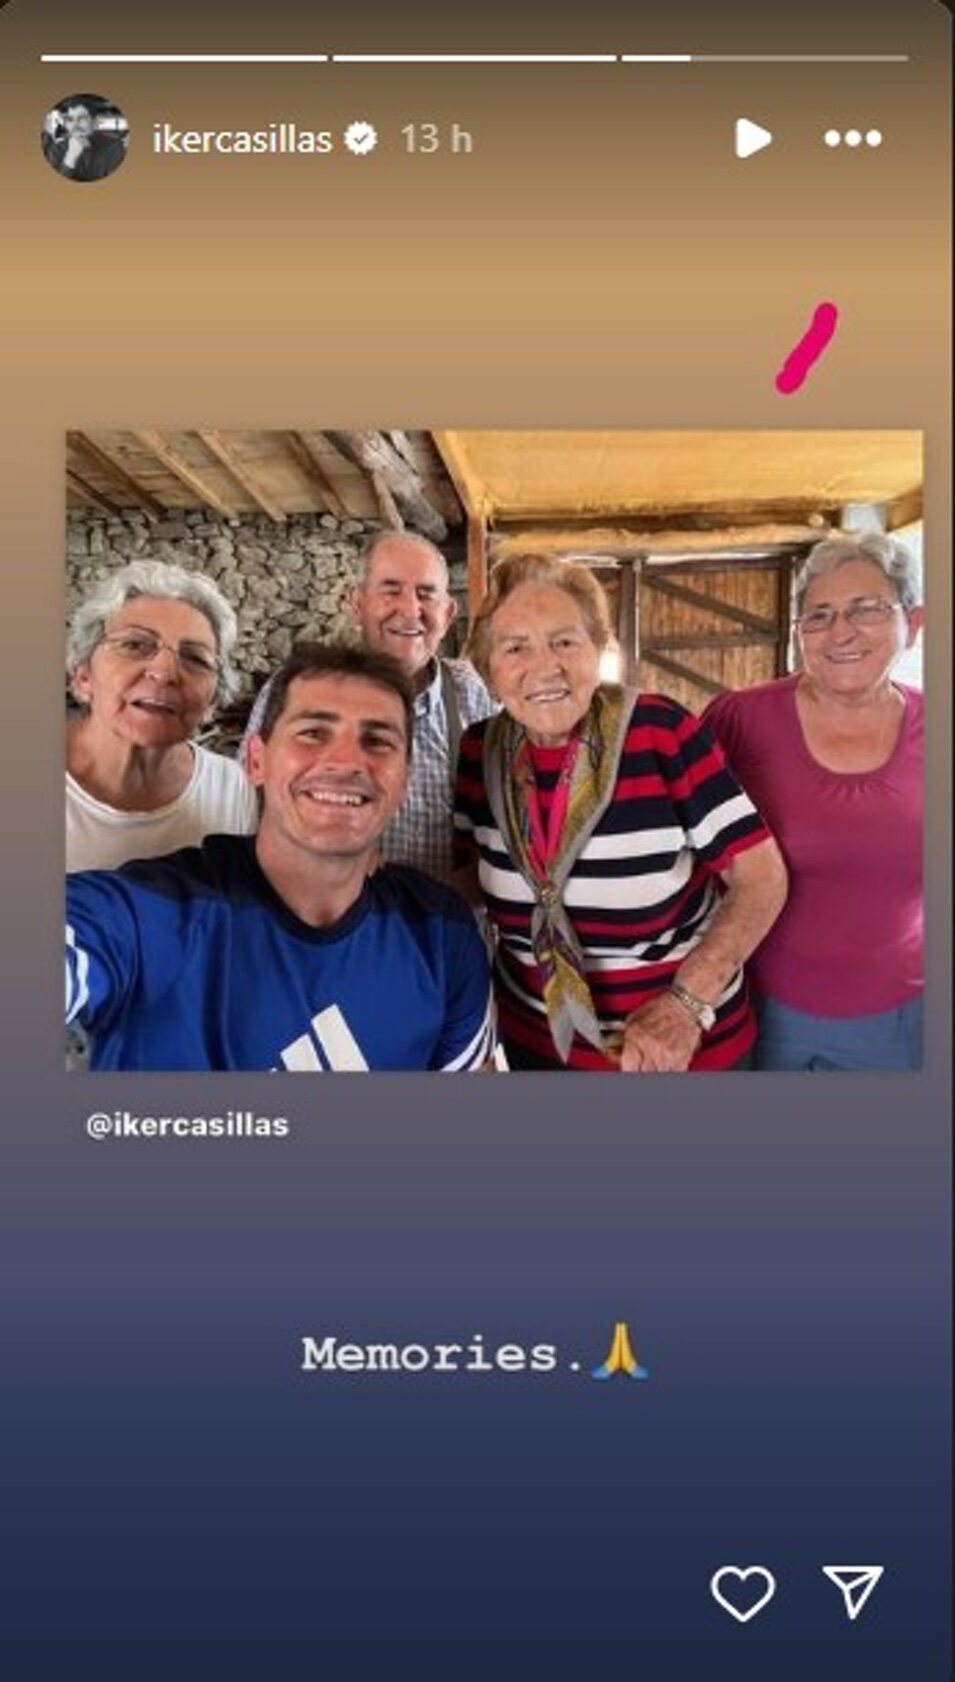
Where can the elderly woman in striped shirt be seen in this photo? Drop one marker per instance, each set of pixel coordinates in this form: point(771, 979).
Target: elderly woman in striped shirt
point(626, 875)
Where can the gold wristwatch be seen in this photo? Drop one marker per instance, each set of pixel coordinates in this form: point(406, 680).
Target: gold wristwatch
point(703, 1014)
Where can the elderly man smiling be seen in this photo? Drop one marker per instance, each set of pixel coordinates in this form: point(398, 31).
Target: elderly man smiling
point(287, 949)
point(403, 607)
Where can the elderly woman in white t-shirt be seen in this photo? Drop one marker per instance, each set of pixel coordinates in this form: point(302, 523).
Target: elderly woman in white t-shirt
point(148, 660)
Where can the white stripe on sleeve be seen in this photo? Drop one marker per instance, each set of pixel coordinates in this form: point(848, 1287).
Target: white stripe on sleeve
point(480, 1048)
point(721, 818)
point(77, 976)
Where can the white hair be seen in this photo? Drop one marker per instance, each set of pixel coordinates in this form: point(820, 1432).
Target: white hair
point(387, 535)
point(164, 581)
point(892, 558)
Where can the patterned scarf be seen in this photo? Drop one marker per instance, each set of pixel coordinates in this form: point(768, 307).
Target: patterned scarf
point(603, 729)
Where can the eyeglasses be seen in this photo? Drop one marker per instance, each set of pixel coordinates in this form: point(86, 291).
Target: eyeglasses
point(868, 611)
point(139, 647)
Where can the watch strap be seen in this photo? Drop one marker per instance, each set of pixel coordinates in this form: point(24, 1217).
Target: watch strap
point(702, 1013)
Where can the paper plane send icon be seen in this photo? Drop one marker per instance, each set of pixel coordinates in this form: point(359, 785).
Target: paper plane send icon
point(855, 1583)
point(750, 137)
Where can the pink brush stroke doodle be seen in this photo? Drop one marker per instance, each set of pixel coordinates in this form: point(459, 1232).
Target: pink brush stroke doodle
point(809, 349)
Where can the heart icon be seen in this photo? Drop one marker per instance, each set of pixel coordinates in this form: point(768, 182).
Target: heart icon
point(734, 1596)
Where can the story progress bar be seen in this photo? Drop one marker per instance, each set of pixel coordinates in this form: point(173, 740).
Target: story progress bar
point(474, 58)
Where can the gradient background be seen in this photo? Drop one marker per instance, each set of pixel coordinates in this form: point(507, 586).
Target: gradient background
point(181, 1500)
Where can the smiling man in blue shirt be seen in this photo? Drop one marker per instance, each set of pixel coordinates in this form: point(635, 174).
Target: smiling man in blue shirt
point(289, 949)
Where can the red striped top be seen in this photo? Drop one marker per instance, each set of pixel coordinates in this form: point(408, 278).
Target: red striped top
point(641, 894)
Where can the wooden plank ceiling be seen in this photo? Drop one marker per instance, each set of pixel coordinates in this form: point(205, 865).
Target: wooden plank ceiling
point(523, 477)
point(395, 477)
point(615, 491)
point(694, 535)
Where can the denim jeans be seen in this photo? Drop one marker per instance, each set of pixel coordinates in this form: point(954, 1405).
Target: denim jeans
point(792, 1039)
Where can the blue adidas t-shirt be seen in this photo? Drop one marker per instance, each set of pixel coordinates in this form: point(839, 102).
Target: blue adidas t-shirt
point(194, 962)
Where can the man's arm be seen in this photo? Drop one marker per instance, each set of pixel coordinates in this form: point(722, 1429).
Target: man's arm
point(469, 1035)
point(102, 947)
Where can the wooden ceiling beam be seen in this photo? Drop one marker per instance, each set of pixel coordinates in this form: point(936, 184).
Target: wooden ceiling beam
point(102, 459)
point(688, 516)
point(96, 499)
point(477, 563)
point(387, 506)
point(905, 510)
point(376, 457)
point(225, 452)
point(307, 459)
point(624, 543)
point(440, 489)
point(186, 475)
point(453, 453)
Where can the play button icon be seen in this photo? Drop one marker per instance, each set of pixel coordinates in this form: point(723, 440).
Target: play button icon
point(750, 137)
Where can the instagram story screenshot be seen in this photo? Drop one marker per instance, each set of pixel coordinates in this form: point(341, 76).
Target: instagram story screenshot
point(476, 512)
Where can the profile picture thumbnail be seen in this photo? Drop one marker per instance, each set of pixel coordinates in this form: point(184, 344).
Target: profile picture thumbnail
point(85, 137)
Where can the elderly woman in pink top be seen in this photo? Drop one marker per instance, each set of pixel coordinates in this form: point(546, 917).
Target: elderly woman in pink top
point(834, 758)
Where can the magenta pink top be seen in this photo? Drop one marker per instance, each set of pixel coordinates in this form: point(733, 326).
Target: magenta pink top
point(849, 939)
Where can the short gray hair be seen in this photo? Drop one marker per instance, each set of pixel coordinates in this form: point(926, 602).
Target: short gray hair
point(892, 558)
point(164, 581)
point(386, 535)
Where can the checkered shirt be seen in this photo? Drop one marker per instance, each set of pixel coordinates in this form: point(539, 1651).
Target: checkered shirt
point(421, 832)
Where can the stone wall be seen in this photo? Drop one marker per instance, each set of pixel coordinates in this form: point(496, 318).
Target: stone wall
point(285, 582)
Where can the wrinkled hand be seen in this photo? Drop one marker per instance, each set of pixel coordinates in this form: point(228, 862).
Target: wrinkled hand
point(659, 1038)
